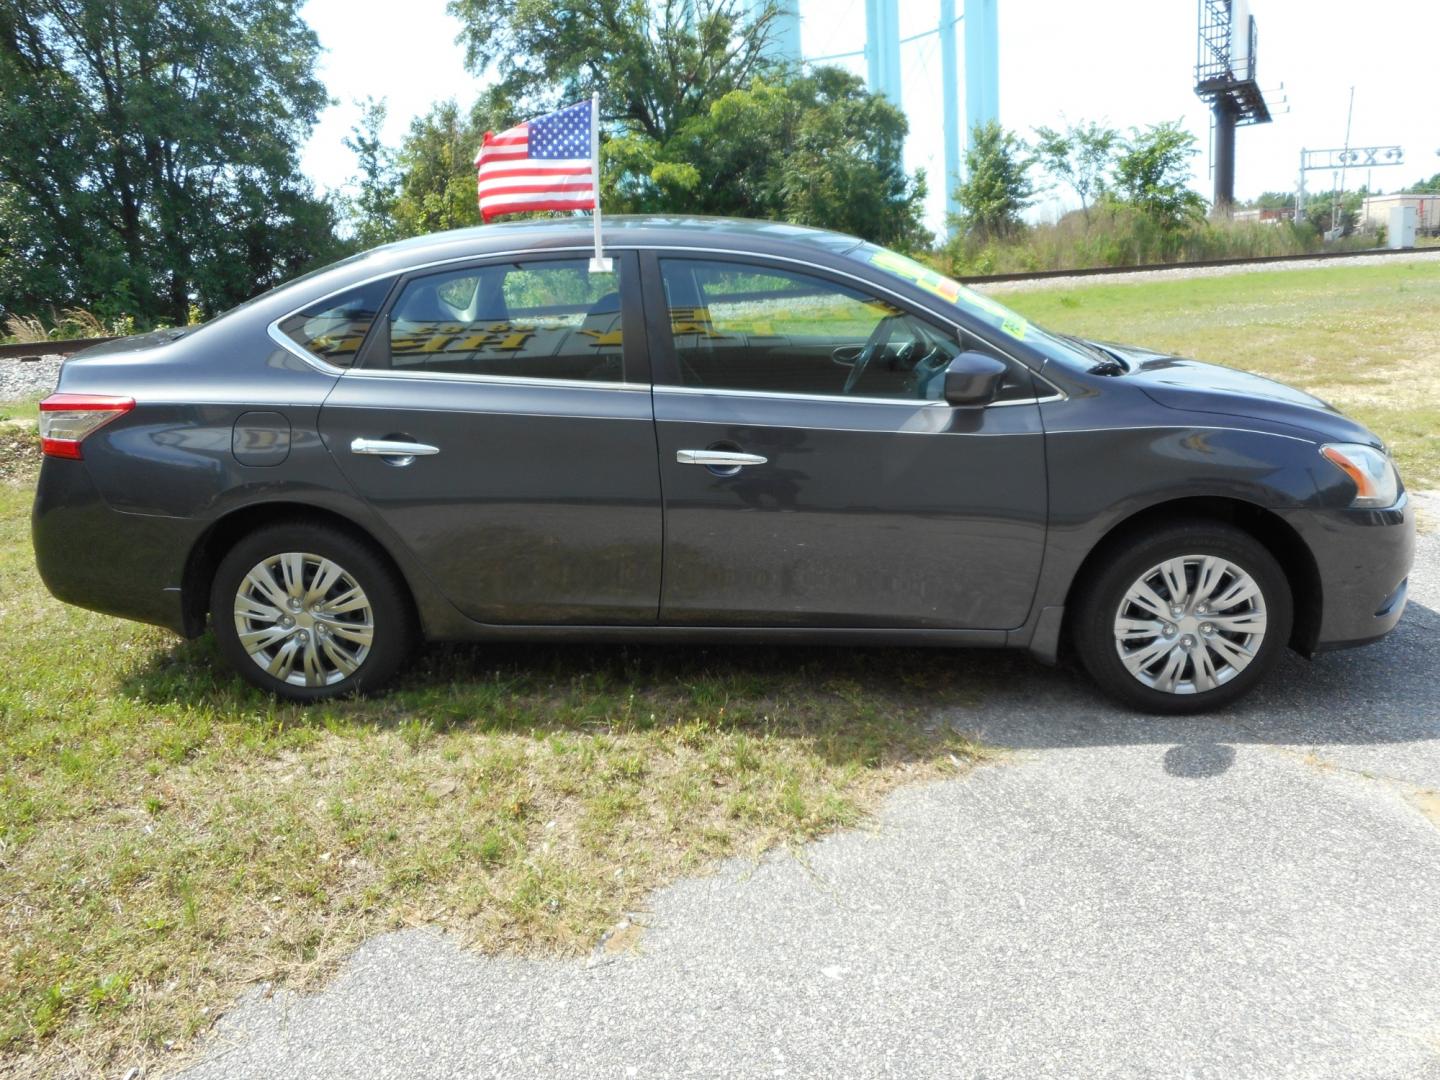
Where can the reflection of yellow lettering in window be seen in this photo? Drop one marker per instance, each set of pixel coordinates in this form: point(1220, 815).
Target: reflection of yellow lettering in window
point(692, 321)
point(514, 341)
point(473, 343)
point(603, 338)
point(436, 343)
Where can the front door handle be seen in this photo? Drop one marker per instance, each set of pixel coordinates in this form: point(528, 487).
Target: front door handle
point(402, 452)
point(724, 459)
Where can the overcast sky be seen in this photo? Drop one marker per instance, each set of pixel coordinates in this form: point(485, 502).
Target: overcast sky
point(1128, 62)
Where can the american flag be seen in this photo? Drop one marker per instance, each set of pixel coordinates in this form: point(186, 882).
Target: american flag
point(541, 164)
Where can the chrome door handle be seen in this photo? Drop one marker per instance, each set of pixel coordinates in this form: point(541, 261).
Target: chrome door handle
point(725, 459)
point(392, 448)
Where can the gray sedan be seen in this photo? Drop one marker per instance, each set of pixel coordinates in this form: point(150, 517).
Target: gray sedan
point(741, 431)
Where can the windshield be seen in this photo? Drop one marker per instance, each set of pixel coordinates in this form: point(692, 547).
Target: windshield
point(976, 305)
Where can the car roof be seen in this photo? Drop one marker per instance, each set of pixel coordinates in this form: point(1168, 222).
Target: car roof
point(621, 230)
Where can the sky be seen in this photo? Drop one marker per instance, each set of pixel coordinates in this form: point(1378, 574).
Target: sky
point(1125, 62)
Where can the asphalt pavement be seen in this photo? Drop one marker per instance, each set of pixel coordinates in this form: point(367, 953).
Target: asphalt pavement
point(1255, 894)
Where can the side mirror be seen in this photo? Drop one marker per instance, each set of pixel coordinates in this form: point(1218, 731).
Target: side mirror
point(973, 379)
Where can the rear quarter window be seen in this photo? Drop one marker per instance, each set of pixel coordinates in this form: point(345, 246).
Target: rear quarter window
point(333, 329)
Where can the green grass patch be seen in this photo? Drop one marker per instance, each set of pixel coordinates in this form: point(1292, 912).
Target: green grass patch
point(1365, 338)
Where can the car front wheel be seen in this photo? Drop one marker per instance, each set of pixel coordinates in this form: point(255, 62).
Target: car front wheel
point(1184, 618)
point(308, 612)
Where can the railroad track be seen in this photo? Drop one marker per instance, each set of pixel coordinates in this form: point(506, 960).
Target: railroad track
point(35, 349)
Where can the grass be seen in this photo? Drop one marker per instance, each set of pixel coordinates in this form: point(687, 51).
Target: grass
point(169, 837)
point(1364, 338)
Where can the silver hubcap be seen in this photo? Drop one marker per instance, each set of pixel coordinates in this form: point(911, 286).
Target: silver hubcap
point(304, 619)
point(1190, 624)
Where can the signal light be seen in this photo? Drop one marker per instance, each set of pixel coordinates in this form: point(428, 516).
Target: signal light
point(67, 419)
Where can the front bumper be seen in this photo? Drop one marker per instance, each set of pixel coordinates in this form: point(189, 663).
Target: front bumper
point(94, 556)
point(1363, 558)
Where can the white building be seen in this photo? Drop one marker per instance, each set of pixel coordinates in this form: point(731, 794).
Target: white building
point(1376, 211)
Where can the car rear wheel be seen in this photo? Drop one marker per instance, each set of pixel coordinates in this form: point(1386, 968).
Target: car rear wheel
point(308, 612)
point(1184, 618)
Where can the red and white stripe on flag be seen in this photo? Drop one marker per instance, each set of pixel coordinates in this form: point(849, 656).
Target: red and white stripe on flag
point(514, 174)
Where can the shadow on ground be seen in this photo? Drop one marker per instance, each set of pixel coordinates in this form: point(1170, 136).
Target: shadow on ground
point(1381, 693)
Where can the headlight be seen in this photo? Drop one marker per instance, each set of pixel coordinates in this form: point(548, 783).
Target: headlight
point(1370, 470)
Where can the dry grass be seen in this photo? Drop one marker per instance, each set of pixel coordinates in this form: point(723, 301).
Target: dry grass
point(25, 328)
point(169, 838)
point(1364, 338)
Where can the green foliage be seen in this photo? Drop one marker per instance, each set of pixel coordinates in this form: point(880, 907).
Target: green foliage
point(997, 186)
point(371, 210)
point(655, 64)
point(148, 153)
point(1321, 210)
point(696, 119)
point(1427, 187)
point(1152, 173)
point(813, 149)
point(437, 189)
point(1080, 157)
point(1120, 235)
point(1272, 200)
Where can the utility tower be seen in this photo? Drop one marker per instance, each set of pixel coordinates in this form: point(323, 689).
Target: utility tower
point(883, 65)
point(1225, 79)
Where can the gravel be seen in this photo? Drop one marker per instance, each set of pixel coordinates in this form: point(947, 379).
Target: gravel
point(20, 379)
point(1243, 895)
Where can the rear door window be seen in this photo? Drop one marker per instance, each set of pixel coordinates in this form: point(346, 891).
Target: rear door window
point(539, 319)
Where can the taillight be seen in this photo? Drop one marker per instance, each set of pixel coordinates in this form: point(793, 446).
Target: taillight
point(66, 419)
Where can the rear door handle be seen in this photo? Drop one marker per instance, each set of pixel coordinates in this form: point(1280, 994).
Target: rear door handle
point(395, 448)
point(725, 459)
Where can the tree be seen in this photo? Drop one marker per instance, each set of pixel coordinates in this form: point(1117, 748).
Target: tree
point(1152, 173)
point(149, 152)
point(1080, 157)
point(1320, 210)
point(811, 148)
point(1272, 200)
point(371, 210)
point(436, 163)
point(655, 64)
point(695, 117)
point(997, 186)
point(1427, 187)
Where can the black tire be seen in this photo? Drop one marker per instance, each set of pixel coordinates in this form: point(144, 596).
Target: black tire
point(1093, 627)
point(391, 618)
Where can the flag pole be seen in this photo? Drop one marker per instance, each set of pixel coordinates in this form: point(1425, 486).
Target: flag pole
point(599, 264)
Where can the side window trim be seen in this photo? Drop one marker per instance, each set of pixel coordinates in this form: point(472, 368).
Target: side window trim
point(374, 356)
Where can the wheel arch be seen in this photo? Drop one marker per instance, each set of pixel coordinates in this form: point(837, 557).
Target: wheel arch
point(1282, 541)
point(226, 531)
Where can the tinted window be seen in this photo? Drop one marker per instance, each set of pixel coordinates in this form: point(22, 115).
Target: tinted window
point(537, 320)
point(333, 328)
point(738, 326)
